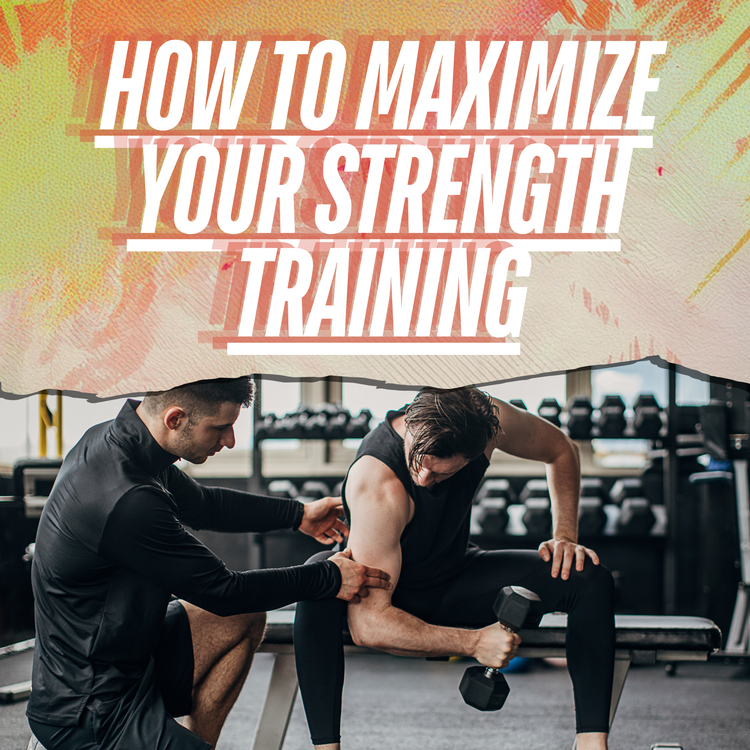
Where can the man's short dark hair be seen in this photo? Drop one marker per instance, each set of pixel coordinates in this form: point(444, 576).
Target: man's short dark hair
point(203, 397)
point(446, 423)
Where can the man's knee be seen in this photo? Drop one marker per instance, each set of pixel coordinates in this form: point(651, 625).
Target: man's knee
point(315, 614)
point(250, 627)
point(229, 631)
point(595, 581)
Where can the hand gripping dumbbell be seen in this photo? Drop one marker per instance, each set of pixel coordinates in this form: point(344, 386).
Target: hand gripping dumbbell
point(486, 688)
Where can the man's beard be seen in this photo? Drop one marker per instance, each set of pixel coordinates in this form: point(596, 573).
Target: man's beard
point(185, 447)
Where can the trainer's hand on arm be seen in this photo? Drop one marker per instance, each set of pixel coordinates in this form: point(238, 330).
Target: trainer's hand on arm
point(563, 552)
point(357, 579)
point(321, 520)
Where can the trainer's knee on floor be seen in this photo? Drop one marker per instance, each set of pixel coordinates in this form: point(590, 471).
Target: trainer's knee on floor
point(237, 629)
point(254, 625)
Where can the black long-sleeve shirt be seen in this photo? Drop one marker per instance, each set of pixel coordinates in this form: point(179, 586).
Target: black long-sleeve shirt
point(112, 548)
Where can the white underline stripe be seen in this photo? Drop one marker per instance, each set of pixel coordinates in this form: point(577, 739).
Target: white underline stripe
point(375, 348)
point(531, 245)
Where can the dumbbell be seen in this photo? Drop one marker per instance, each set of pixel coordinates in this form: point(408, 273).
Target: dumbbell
point(359, 426)
point(492, 515)
point(579, 417)
point(267, 427)
point(313, 423)
point(335, 429)
point(626, 487)
point(289, 425)
point(314, 489)
point(647, 422)
point(495, 488)
point(591, 515)
point(653, 476)
point(283, 488)
point(518, 404)
point(494, 496)
point(550, 409)
point(612, 421)
point(486, 688)
point(537, 517)
point(636, 516)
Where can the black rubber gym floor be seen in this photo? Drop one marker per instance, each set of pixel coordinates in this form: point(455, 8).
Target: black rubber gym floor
point(400, 703)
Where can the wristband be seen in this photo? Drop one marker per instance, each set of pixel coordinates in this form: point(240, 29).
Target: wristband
point(298, 518)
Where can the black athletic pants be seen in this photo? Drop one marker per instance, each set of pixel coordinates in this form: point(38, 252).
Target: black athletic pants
point(467, 600)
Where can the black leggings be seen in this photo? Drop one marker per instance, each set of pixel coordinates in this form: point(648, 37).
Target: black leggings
point(467, 600)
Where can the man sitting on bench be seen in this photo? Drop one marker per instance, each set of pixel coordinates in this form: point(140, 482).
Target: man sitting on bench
point(408, 497)
point(114, 659)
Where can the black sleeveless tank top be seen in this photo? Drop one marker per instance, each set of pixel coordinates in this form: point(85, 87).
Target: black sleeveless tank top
point(435, 542)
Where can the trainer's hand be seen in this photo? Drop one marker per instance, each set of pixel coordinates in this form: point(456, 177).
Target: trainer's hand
point(357, 579)
point(321, 520)
point(496, 646)
point(562, 552)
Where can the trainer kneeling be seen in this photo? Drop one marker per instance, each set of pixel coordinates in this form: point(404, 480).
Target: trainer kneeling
point(115, 659)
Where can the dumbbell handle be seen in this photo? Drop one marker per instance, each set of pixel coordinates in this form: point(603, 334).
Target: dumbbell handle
point(493, 671)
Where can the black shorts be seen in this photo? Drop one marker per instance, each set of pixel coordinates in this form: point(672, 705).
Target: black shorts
point(145, 718)
point(173, 661)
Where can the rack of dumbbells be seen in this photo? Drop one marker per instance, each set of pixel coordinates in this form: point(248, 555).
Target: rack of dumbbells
point(624, 518)
point(326, 421)
point(322, 422)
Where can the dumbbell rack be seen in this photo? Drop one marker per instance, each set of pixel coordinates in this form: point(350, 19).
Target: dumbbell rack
point(579, 420)
point(320, 434)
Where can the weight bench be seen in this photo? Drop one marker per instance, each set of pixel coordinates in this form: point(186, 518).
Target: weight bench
point(639, 639)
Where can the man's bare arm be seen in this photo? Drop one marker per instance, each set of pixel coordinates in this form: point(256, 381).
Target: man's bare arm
point(380, 510)
point(528, 436)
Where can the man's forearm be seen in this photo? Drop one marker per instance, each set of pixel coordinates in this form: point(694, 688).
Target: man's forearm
point(397, 632)
point(564, 480)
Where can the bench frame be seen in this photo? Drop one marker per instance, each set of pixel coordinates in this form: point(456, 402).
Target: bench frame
point(276, 711)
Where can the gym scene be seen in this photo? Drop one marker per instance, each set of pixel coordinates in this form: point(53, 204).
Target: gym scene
point(555, 562)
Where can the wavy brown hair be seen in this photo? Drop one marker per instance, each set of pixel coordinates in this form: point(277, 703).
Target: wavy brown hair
point(446, 423)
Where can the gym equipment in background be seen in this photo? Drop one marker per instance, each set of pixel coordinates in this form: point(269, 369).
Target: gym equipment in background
point(725, 428)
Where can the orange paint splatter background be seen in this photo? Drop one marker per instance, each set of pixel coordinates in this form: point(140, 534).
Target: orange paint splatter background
point(80, 313)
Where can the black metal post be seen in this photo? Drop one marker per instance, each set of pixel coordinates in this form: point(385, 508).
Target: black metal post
point(671, 500)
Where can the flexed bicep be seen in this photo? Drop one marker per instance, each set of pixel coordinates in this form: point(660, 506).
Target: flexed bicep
point(379, 511)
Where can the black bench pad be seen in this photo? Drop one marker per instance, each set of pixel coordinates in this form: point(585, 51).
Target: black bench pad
point(638, 632)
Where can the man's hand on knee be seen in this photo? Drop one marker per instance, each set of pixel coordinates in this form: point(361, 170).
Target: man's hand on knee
point(562, 553)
